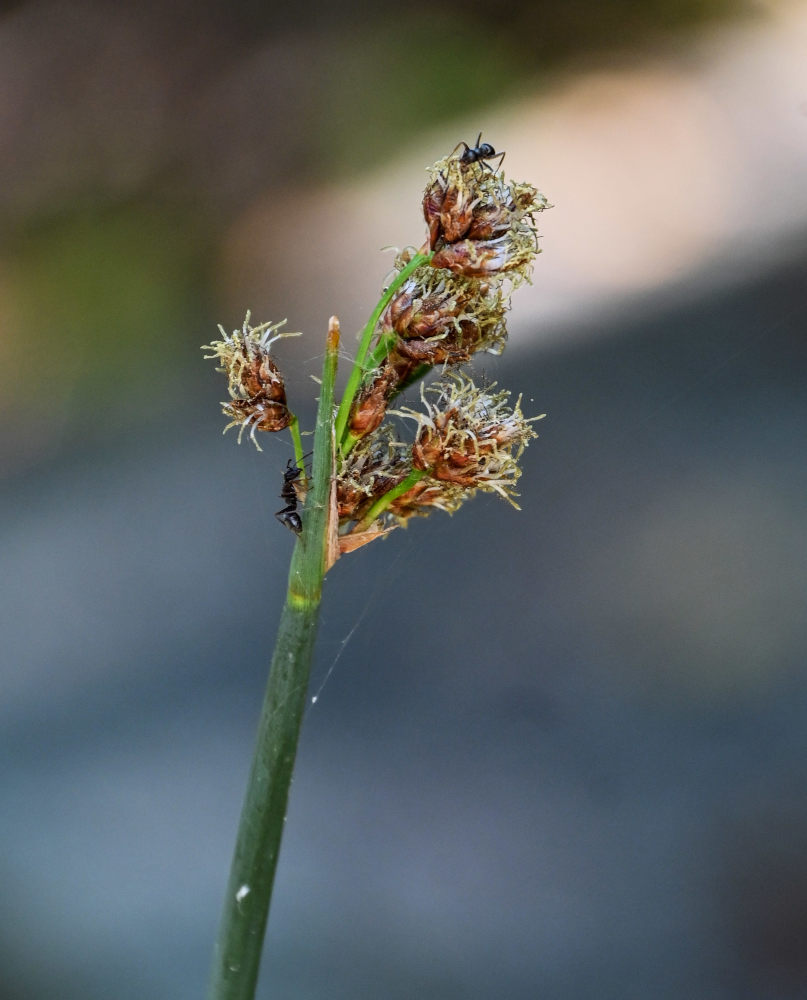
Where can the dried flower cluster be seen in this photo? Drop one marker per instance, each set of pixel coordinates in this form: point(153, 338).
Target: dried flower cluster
point(257, 392)
point(470, 437)
point(450, 304)
point(482, 233)
point(467, 439)
point(481, 225)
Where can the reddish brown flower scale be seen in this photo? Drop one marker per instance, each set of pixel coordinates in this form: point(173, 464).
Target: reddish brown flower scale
point(435, 334)
point(432, 317)
point(411, 315)
point(459, 459)
point(450, 350)
point(475, 258)
point(400, 310)
point(417, 313)
point(446, 319)
point(273, 416)
point(350, 500)
point(479, 224)
point(428, 447)
point(501, 435)
point(430, 320)
point(257, 393)
point(457, 213)
point(446, 470)
point(373, 467)
point(418, 501)
point(489, 221)
point(432, 206)
point(455, 200)
point(498, 216)
point(264, 394)
point(262, 378)
point(370, 406)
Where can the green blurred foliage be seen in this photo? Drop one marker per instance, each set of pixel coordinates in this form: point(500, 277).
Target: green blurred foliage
point(391, 79)
point(98, 299)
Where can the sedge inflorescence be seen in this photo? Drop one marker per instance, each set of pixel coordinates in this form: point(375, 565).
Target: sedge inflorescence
point(257, 391)
point(470, 437)
point(480, 224)
point(449, 301)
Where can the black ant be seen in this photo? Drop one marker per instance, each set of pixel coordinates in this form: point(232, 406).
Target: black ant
point(289, 515)
point(479, 153)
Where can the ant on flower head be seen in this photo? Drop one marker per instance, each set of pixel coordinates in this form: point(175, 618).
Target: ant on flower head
point(479, 153)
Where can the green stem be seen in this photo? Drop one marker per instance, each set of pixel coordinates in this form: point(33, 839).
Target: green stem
point(347, 444)
point(297, 441)
point(382, 349)
point(383, 502)
point(246, 906)
point(359, 369)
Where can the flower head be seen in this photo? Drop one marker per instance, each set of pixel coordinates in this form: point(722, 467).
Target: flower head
point(370, 405)
point(479, 223)
point(436, 318)
point(380, 466)
point(470, 437)
point(376, 465)
point(444, 319)
point(257, 391)
point(483, 241)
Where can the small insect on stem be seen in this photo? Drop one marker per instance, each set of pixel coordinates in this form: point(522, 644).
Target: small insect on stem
point(290, 515)
point(479, 153)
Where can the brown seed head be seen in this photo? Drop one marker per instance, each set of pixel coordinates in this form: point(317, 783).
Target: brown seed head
point(441, 318)
point(370, 404)
point(374, 466)
point(257, 392)
point(470, 437)
point(469, 202)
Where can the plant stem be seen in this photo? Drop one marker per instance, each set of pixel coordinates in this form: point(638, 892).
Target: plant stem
point(384, 501)
point(297, 442)
point(237, 954)
point(385, 344)
point(359, 370)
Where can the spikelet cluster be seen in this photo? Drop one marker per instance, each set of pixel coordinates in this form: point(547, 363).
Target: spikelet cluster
point(470, 437)
point(483, 236)
point(467, 440)
point(257, 391)
point(481, 225)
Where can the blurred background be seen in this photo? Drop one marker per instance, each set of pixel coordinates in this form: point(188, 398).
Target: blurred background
point(561, 752)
